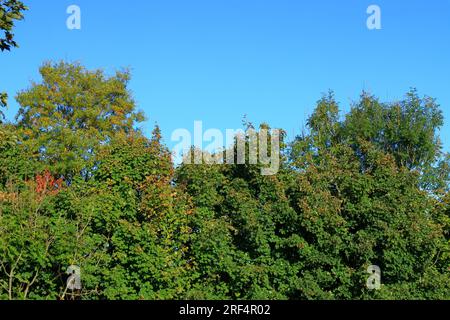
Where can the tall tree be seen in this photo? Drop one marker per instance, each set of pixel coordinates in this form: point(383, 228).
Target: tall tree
point(67, 118)
point(359, 202)
point(407, 129)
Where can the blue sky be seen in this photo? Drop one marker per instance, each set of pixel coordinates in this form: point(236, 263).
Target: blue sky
point(216, 60)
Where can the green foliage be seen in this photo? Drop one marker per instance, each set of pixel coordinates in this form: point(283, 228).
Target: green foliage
point(10, 11)
point(3, 104)
point(66, 119)
point(144, 219)
point(406, 129)
point(37, 240)
point(81, 186)
point(14, 162)
point(352, 219)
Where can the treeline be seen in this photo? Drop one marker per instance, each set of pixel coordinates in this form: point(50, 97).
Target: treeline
point(80, 185)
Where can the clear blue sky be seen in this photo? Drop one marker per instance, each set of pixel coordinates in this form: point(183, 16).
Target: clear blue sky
point(216, 60)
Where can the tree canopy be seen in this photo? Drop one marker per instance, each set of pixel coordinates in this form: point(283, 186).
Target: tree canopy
point(66, 119)
point(82, 187)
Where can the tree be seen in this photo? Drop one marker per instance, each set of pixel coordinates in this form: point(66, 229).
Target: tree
point(66, 119)
point(237, 243)
point(81, 188)
point(351, 219)
point(10, 11)
point(359, 203)
point(142, 218)
point(37, 240)
point(407, 129)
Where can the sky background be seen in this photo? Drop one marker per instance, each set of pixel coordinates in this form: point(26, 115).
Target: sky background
point(217, 60)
